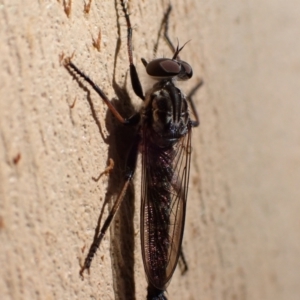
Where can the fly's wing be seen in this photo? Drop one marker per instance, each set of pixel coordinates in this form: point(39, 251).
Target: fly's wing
point(165, 177)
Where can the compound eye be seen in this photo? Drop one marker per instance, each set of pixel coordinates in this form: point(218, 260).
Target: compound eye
point(163, 68)
point(186, 71)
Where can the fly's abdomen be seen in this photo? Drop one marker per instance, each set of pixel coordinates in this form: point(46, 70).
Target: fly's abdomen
point(158, 223)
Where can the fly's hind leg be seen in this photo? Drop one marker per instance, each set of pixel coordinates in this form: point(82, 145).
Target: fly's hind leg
point(130, 168)
point(130, 165)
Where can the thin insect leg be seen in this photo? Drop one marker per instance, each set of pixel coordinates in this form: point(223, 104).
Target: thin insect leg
point(166, 31)
point(126, 121)
point(183, 262)
point(189, 98)
point(96, 243)
point(165, 22)
point(130, 168)
point(135, 81)
point(163, 25)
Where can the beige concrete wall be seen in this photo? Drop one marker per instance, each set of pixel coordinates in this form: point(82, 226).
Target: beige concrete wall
point(242, 230)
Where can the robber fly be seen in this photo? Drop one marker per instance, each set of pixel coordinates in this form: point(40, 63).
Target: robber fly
point(163, 137)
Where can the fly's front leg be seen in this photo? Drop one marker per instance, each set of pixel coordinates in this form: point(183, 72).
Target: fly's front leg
point(135, 81)
point(130, 168)
point(133, 120)
point(165, 23)
point(165, 27)
point(189, 98)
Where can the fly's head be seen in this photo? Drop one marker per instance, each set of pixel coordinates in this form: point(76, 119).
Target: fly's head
point(167, 68)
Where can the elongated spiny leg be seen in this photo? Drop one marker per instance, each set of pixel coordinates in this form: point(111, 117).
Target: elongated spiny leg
point(189, 98)
point(135, 81)
point(166, 34)
point(130, 164)
point(165, 28)
point(133, 120)
point(130, 168)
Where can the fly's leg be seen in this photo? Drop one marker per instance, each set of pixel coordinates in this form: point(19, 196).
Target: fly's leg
point(189, 98)
point(130, 168)
point(164, 25)
point(133, 120)
point(130, 165)
point(166, 28)
point(182, 261)
point(135, 81)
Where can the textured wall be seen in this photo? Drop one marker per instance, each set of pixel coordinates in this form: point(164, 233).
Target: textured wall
point(242, 230)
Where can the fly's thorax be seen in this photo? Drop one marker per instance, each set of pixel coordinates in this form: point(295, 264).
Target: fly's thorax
point(166, 111)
